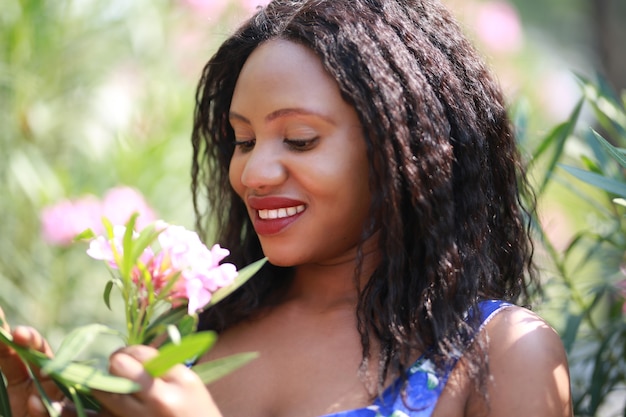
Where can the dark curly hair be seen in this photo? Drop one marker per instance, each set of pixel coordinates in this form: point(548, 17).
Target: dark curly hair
point(445, 173)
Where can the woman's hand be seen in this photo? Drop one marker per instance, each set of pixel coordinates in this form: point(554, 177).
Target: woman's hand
point(23, 394)
point(178, 393)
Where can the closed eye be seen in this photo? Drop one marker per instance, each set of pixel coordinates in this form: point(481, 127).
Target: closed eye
point(245, 145)
point(301, 145)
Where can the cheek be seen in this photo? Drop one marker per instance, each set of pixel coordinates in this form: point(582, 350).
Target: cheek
point(234, 175)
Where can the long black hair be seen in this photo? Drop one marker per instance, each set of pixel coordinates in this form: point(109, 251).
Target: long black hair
point(445, 174)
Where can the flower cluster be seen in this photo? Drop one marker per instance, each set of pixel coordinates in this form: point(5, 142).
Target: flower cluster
point(182, 266)
point(156, 268)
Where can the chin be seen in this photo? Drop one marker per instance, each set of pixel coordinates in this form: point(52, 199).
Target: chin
point(282, 258)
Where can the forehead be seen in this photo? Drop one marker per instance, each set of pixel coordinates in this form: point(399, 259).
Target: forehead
point(281, 73)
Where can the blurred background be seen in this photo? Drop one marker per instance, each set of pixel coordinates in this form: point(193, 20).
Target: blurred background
point(96, 102)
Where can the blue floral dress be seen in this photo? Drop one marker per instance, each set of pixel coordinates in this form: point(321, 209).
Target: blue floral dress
point(424, 383)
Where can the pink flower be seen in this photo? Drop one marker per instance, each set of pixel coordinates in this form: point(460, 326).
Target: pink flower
point(200, 268)
point(61, 222)
point(102, 248)
point(181, 256)
point(120, 203)
point(498, 26)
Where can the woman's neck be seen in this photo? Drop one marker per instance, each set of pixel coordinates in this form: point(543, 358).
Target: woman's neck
point(333, 285)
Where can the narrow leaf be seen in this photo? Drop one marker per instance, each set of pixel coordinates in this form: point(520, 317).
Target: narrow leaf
point(5, 408)
point(28, 355)
point(557, 139)
point(127, 245)
point(146, 238)
point(80, 409)
point(213, 370)
point(47, 403)
point(604, 183)
point(87, 234)
point(189, 348)
point(615, 152)
point(571, 330)
point(107, 294)
point(87, 399)
point(158, 326)
point(243, 275)
point(74, 344)
point(84, 378)
point(187, 325)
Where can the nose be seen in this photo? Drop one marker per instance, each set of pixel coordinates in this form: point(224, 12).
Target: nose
point(263, 166)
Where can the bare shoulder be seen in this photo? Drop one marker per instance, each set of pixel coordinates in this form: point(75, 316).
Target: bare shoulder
point(528, 368)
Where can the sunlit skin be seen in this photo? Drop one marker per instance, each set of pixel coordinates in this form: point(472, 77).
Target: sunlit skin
point(300, 149)
point(299, 141)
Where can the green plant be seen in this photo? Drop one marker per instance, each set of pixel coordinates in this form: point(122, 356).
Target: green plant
point(584, 279)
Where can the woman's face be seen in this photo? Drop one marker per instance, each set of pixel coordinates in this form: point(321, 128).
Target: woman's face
point(300, 163)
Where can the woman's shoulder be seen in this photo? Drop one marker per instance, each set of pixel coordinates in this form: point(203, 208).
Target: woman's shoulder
point(527, 365)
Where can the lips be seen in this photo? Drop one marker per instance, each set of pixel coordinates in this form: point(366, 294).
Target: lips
point(273, 214)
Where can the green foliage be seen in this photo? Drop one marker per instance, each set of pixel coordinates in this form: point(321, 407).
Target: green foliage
point(589, 277)
point(92, 95)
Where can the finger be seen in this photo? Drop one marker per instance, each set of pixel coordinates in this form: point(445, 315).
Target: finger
point(13, 367)
point(32, 339)
point(140, 353)
point(36, 408)
point(127, 363)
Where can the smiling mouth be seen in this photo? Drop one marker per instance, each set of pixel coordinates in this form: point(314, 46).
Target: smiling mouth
point(281, 213)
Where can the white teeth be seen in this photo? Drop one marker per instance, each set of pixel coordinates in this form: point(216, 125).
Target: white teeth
point(281, 212)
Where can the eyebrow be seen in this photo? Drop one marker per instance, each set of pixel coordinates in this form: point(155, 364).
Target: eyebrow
point(284, 113)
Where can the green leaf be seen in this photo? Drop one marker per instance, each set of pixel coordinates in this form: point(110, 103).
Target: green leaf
point(159, 325)
point(617, 153)
point(107, 294)
point(28, 355)
point(243, 275)
point(190, 348)
point(556, 138)
point(5, 408)
point(571, 330)
point(599, 181)
point(188, 325)
point(84, 378)
point(213, 370)
point(86, 398)
point(127, 246)
point(80, 409)
point(591, 165)
point(74, 344)
point(606, 105)
point(47, 403)
point(87, 234)
point(146, 238)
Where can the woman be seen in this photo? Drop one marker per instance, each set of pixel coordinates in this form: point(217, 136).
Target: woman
point(363, 148)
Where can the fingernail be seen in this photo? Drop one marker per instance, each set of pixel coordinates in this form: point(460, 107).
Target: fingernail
point(35, 405)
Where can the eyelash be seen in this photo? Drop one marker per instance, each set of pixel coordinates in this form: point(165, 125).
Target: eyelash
point(298, 145)
point(245, 145)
